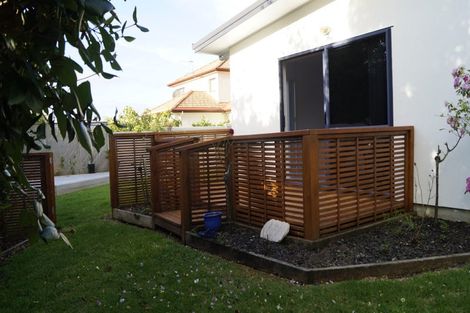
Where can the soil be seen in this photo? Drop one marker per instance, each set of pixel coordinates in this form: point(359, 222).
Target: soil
point(409, 237)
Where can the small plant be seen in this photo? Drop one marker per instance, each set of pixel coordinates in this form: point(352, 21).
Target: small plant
point(385, 247)
point(418, 187)
point(409, 222)
point(443, 225)
point(62, 162)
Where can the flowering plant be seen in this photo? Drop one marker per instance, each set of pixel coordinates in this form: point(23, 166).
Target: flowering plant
point(458, 115)
point(458, 119)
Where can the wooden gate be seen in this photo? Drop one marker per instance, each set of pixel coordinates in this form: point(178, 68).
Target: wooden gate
point(39, 170)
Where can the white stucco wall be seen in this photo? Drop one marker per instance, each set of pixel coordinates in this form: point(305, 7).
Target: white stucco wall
point(71, 158)
point(223, 86)
point(221, 91)
point(429, 39)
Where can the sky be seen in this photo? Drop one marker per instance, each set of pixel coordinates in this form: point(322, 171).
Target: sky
point(163, 54)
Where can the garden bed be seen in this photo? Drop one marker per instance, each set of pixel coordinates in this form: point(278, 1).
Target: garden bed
point(395, 248)
point(136, 216)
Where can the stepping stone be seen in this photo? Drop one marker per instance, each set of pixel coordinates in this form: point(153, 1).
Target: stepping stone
point(275, 230)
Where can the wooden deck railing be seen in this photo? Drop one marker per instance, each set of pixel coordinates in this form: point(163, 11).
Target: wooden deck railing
point(39, 170)
point(129, 162)
point(319, 181)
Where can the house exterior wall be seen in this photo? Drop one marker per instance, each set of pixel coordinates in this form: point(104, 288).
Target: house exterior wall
point(221, 91)
point(429, 39)
point(187, 119)
point(223, 86)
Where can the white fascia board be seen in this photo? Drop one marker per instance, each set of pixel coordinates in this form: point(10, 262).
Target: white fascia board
point(257, 16)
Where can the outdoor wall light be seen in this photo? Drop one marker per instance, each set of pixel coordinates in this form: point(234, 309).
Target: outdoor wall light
point(325, 30)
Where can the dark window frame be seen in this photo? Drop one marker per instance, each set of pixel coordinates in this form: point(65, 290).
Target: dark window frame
point(324, 49)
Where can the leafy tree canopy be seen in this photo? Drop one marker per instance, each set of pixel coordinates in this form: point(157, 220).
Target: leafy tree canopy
point(38, 82)
point(147, 121)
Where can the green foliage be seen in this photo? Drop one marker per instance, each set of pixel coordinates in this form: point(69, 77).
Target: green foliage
point(130, 120)
point(206, 123)
point(38, 82)
point(116, 267)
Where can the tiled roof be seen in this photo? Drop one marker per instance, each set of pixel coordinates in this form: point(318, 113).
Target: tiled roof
point(217, 65)
point(193, 101)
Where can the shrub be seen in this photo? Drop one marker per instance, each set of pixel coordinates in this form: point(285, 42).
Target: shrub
point(130, 120)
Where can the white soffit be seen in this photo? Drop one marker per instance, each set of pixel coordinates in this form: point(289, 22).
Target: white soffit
point(257, 16)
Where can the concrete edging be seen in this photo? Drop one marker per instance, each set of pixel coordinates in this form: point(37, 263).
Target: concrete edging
point(318, 275)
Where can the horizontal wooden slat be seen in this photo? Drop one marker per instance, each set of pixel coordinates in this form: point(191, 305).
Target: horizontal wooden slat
point(38, 169)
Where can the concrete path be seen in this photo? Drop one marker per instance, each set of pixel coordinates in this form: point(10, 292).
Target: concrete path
point(70, 183)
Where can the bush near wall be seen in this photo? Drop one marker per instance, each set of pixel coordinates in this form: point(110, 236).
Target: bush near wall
point(132, 121)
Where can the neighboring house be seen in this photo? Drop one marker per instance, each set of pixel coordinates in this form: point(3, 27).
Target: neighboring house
point(201, 94)
point(322, 63)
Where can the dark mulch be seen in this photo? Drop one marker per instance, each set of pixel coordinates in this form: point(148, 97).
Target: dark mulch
point(400, 239)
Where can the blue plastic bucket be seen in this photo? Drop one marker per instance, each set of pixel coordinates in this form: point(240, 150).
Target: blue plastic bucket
point(213, 220)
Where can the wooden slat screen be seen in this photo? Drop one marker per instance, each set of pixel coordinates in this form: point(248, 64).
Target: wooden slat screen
point(130, 162)
point(361, 177)
point(39, 170)
point(130, 169)
point(207, 187)
point(166, 175)
point(319, 181)
point(267, 181)
point(168, 180)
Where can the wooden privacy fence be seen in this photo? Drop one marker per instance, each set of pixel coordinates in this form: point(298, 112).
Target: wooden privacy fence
point(39, 170)
point(129, 162)
point(320, 181)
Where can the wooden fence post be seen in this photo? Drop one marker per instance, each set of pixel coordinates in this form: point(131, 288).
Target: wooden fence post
point(185, 194)
point(409, 168)
point(229, 181)
point(310, 180)
point(154, 183)
point(113, 172)
point(50, 186)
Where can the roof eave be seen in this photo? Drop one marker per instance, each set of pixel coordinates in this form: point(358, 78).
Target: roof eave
point(182, 80)
point(257, 16)
point(200, 109)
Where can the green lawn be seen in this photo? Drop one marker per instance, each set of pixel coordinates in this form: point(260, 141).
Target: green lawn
point(117, 267)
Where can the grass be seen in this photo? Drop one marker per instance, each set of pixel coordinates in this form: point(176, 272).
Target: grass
point(120, 268)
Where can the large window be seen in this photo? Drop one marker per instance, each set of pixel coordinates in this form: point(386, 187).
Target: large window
point(347, 84)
